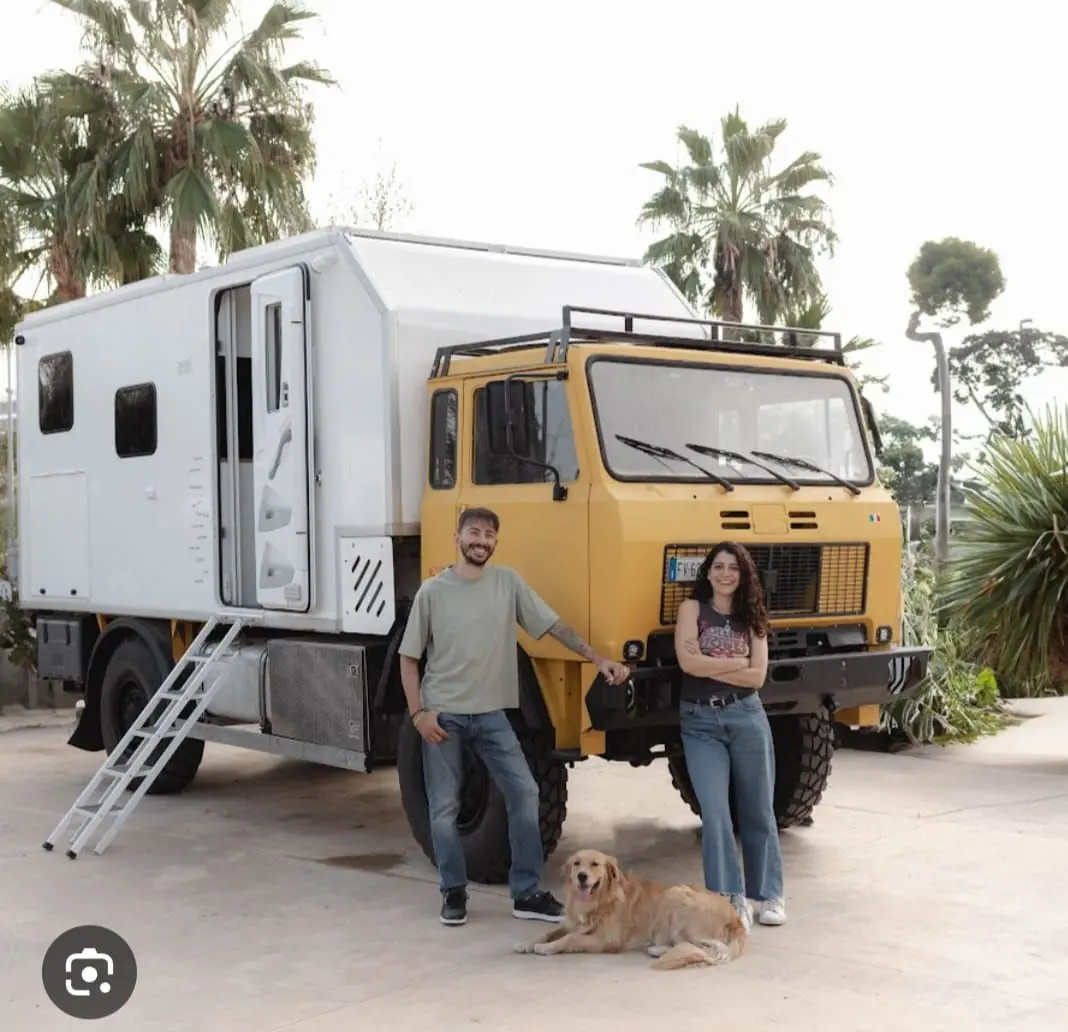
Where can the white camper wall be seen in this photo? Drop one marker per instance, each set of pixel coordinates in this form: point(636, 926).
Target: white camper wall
point(440, 295)
point(123, 532)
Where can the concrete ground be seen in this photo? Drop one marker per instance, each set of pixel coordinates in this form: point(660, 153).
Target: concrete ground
point(275, 895)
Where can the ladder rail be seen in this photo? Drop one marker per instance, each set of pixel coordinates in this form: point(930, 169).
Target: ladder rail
point(150, 728)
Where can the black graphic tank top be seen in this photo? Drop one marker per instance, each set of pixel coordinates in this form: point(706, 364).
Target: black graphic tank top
point(719, 637)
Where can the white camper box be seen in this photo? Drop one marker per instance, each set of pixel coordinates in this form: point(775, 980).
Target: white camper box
point(308, 360)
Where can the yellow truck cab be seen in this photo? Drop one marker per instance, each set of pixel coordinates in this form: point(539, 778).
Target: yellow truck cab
point(616, 455)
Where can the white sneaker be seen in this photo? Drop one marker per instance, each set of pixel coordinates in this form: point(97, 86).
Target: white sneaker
point(741, 904)
point(772, 912)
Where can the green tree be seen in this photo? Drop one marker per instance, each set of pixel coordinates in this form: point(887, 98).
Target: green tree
point(989, 370)
point(904, 469)
point(950, 279)
point(219, 138)
point(738, 229)
point(44, 156)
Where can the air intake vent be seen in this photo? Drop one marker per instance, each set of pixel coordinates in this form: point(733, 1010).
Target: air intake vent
point(803, 521)
point(735, 519)
point(366, 573)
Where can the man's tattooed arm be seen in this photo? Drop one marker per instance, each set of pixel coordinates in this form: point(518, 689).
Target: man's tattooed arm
point(572, 640)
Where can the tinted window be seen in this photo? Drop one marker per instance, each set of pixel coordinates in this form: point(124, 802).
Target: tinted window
point(549, 430)
point(443, 408)
point(55, 393)
point(135, 420)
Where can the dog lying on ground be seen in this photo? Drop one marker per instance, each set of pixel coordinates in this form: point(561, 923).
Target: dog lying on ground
point(607, 911)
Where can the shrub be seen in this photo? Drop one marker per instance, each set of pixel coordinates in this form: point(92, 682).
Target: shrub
point(1007, 575)
point(959, 701)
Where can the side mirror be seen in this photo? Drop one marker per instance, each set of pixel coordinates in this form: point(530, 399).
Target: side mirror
point(506, 407)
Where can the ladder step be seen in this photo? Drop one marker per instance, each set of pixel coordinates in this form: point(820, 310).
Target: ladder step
point(179, 693)
point(120, 769)
point(89, 809)
point(154, 730)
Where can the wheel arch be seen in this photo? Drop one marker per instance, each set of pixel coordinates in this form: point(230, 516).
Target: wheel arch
point(89, 734)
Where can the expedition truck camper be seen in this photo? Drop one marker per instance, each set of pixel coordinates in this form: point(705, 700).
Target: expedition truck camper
point(231, 484)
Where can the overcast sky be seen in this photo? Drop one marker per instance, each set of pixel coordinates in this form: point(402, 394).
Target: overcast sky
point(937, 118)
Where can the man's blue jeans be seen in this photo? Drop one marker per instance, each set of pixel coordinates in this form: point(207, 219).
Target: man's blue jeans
point(491, 736)
point(734, 742)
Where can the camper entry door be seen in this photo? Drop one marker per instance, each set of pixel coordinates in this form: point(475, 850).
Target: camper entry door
point(280, 429)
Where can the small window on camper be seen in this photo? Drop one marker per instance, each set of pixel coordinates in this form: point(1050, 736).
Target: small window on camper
point(443, 408)
point(55, 393)
point(274, 357)
point(548, 433)
point(135, 420)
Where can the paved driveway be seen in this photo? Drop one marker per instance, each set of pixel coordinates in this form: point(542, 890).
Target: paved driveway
point(274, 895)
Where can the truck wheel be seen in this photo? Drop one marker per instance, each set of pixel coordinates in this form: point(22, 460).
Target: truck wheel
point(804, 748)
point(131, 678)
point(483, 820)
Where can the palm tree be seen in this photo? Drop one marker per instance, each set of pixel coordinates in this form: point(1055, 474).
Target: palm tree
point(219, 138)
point(754, 232)
point(44, 155)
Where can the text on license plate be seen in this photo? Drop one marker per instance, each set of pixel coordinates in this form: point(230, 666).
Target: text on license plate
point(684, 569)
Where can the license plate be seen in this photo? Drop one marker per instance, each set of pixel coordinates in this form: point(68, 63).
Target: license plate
point(684, 569)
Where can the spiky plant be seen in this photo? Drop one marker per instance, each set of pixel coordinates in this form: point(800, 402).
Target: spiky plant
point(1007, 576)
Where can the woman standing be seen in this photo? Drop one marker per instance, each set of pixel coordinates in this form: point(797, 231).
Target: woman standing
point(722, 648)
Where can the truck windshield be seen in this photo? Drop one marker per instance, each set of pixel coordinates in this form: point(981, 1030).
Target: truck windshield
point(812, 417)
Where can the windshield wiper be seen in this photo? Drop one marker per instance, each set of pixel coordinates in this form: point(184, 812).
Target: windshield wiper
point(659, 452)
point(791, 460)
point(723, 453)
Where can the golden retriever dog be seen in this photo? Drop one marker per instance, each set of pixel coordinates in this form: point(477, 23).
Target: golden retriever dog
point(608, 911)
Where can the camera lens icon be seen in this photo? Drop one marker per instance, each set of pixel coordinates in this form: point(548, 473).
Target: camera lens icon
point(88, 971)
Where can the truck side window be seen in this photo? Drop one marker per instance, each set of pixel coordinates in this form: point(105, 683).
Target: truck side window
point(552, 440)
point(55, 393)
point(443, 407)
point(135, 421)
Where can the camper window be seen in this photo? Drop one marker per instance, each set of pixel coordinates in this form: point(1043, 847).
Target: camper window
point(443, 440)
point(135, 420)
point(549, 437)
point(274, 357)
point(55, 393)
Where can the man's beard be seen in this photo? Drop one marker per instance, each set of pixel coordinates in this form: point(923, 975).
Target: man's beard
point(476, 560)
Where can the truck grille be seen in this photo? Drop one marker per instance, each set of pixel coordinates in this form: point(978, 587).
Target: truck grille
point(799, 580)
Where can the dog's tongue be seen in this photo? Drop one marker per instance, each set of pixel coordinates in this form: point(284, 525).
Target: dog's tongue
point(584, 892)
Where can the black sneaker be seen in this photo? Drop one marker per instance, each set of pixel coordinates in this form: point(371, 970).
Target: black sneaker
point(539, 906)
point(454, 907)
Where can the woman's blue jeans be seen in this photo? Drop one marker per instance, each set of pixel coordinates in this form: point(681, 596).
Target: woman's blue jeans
point(734, 742)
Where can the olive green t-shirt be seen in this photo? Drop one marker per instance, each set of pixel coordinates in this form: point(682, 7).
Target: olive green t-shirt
point(467, 629)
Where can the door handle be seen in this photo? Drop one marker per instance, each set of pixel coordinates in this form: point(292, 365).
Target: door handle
point(284, 439)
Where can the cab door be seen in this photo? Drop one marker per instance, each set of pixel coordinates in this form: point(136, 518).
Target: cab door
point(281, 435)
point(544, 538)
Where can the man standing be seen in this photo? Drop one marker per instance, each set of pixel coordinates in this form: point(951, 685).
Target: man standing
point(464, 619)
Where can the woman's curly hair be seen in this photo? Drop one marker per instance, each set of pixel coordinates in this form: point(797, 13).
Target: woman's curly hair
point(748, 604)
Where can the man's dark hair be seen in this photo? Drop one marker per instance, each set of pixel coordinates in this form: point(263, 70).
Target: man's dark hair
point(485, 515)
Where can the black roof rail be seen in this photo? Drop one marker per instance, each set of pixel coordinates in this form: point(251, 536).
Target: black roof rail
point(558, 341)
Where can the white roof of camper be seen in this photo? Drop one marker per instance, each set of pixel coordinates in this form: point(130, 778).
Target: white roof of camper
point(523, 288)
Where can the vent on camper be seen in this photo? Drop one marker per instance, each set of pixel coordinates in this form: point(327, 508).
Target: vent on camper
point(803, 520)
point(734, 519)
point(368, 587)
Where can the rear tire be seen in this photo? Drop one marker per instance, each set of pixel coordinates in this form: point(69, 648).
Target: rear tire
point(131, 677)
point(804, 749)
point(483, 820)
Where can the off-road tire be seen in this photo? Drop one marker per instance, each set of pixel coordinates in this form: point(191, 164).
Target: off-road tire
point(804, 749)
point(131, 678)
point(484, 825)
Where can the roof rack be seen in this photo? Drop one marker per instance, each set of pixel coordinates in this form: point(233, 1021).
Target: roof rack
point(558, 341)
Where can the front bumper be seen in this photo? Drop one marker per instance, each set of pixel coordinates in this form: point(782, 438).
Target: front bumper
point(793, 686)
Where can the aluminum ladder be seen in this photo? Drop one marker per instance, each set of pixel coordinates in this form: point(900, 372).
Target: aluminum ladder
point(150, 729)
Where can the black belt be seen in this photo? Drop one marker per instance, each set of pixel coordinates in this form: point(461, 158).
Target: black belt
point(721, 701)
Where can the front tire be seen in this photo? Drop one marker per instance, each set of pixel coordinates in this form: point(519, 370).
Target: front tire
point(804, 749)
point(131, 678)
point(483, 819)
